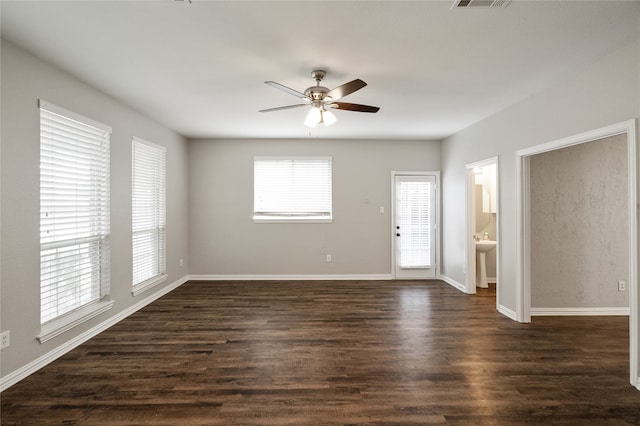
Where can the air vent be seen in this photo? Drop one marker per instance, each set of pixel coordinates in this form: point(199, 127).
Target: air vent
point(479, 3)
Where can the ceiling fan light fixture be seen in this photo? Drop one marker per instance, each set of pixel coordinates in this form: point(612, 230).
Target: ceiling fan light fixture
point(318, 115)
point(313, 117)
point(327, 117)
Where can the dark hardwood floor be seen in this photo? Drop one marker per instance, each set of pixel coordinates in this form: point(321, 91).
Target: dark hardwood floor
point(328, 353)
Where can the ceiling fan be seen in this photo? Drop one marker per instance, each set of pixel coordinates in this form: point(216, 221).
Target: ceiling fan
point(320, 99)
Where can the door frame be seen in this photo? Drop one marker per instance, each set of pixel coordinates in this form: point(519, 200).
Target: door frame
point(470, 247)
point(436, 245)
point(523, 227)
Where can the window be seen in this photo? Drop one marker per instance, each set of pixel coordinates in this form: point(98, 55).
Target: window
point(148, 214)
point(74, 218)
point(292, 189)
point(414, 219)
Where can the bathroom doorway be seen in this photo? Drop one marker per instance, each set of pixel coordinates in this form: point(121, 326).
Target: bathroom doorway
point(482, 235)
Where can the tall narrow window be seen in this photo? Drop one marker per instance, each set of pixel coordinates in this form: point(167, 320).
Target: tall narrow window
point(292, 189)
point(148, 214)
point(74, 216)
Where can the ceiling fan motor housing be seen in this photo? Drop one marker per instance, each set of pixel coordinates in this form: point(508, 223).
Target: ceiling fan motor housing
point(316, 93)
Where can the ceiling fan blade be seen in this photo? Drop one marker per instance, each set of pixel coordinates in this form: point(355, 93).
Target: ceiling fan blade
point(354, 107)
point(286, 89)
point(346, 89)
point(283, 107)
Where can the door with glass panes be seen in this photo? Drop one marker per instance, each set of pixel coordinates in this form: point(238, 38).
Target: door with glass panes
point(414, 226)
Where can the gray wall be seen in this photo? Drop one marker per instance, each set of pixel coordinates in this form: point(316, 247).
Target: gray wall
point(579, 225)
point(225, 241)
point(24, 80)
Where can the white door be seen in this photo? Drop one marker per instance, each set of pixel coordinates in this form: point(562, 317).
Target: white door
point(414, 226)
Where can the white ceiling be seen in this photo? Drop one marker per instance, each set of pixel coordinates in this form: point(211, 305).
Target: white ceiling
point(199, 68)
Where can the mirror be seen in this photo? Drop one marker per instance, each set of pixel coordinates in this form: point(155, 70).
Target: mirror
point(483, 208)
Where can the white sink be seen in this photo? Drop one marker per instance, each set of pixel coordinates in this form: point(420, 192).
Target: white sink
point(484, 246)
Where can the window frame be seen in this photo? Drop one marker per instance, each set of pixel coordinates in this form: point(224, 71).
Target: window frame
point(304, 217)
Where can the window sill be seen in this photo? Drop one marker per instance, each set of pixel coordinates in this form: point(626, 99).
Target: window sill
point(146, 285)
point(292, 220)
point(66, 322)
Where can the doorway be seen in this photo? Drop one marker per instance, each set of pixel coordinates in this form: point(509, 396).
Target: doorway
point(482, 237)
point(414, 225)
point(524, 228)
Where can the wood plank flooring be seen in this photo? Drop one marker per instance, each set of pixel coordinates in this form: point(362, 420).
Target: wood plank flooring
point(329, 353)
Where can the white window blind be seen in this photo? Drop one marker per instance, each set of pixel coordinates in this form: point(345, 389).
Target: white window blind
point(148, 211)
point(415, 223)
point(74, 211)
point(292, 188)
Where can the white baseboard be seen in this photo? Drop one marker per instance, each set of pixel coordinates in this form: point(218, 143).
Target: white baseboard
point(613, 311)
point(507, 312)
point(22, 372)
point(453, 283)
point(290, 277)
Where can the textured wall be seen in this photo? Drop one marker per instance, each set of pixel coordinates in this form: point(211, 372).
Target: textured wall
point(579, 225)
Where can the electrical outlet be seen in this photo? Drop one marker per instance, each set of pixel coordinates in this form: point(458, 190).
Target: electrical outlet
point(622, 286)
point(328, 258)
point(181, 262)
point(4, 340)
